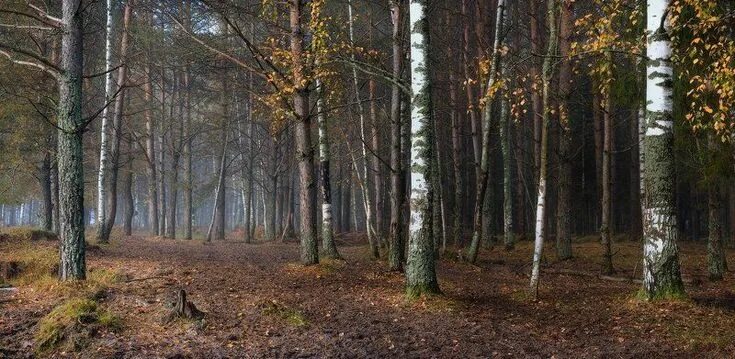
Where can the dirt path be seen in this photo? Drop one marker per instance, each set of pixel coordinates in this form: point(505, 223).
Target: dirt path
point(261, 303)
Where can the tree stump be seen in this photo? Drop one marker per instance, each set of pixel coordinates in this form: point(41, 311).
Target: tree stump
point(184, 309)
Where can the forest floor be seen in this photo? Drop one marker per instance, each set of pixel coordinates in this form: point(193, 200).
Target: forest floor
point(259, 302)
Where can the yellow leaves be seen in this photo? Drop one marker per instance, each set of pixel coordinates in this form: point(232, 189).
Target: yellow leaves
point(484, 66)
point(719, 126)
point(705, 55)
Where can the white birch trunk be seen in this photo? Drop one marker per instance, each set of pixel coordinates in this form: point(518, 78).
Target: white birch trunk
point(420, 266)
point(540, 232)
point(329, 248)
point(661, 273)
point(104, 129)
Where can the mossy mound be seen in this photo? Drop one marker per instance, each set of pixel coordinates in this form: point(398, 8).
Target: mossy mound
point(72, 323)
point(26, 234)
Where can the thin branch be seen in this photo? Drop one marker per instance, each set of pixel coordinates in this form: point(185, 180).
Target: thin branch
point(28, 27)
point(29, 16)
point(375, 71)
point(53, 71)
point(50, 20)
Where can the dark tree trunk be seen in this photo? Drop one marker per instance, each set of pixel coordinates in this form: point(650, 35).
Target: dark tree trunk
point(128, 179)
point(55, 194)
point(304, 147)
point(70, 146)
point(151, 170)
point(396, 253)
point(563, 203)
point(44, 179)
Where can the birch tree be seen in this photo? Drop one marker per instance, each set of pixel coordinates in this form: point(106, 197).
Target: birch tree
point(661, 273)
point(329, 248)
point(420, 266)
point(104, 165)
point(546, 76)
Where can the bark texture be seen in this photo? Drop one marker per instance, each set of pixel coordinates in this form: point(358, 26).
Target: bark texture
point(661, 272)
point(420, 265)
point(70, 149)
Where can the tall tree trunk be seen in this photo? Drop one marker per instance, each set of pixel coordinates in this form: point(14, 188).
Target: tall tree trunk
point(598, 124)
point(375, 160)
point(114, 149)
point(217, 211)
point(175, 155)
point(151, 169)
point(716, 259)
point(188, 185)
point(188, 175)
point(420, 265)
point(220, 203)
point(607, 169)
point(522, 188)
point(638, 161)
point(105, 165)
point(661, 273)
point(44, 180)
point(304, 149)
point(329, 248)
point(456, 123)
point(469, 91)
point(482, 183)
point(128, 199)
point(547, 74)
point(162, 155)
point(55, 193)
point(563, 202)
point(365, 177)
point(396, 244)
point(536, 100)
point(505, 143)
point(70, 146)
point(250, 207)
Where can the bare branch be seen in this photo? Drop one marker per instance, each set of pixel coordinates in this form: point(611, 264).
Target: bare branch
point(42, 65)
point(50, 20)
point(28, 27)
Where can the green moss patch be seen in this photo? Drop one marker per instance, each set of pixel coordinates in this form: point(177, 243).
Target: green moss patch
point(25, 234)
point(72, 323)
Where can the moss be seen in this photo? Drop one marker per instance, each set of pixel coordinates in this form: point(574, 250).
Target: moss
point(39, 265)
point(330, 265)
point(283, 312)
point(61, 326)
point(25, 234)
point(38, 262)
point(667, 294)
point(522, 296)
point(417, 291)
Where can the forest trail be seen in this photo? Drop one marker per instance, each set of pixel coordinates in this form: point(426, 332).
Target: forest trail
point(261, 303)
